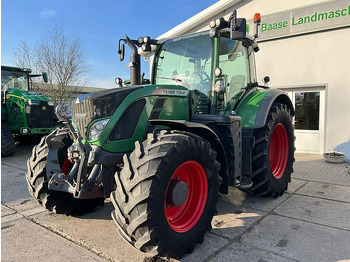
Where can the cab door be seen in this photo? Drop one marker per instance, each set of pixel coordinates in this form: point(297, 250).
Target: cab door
point(238, 67)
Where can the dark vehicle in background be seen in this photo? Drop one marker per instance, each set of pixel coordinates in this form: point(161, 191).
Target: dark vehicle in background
point(24, 113)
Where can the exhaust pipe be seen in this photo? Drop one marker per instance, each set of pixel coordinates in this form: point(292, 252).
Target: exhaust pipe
point(135, 63)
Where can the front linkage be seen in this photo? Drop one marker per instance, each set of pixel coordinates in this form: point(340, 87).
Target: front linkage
point(48, 158)
point(87, 171)
point(54, 176)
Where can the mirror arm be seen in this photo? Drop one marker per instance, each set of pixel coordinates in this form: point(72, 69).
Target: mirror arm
point(233, 22)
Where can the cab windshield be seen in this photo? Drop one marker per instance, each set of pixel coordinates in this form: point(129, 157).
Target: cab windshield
point(186, 61)
point(14, 80)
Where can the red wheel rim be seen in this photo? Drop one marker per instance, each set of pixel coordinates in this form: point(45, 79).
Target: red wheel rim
point(279, 151)
point(184, 217)
point(66, 166)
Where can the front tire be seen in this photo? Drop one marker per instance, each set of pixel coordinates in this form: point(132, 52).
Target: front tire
point(166, 194)
point(8, 145)
point(58, 202)
point(273, 153)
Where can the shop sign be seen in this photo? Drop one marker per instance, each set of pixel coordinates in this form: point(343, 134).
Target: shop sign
point(307, 19)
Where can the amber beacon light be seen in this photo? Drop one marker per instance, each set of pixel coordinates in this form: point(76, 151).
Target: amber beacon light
point(257, 20)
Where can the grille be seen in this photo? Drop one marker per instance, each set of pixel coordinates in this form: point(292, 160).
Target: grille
point(82, 115)
point(40, 116)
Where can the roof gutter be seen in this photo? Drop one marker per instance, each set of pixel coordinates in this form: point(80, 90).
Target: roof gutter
point(199, 18)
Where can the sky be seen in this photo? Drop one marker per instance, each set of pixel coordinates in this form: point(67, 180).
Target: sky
point(100, 25)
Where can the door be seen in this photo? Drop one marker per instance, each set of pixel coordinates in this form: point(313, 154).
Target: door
point(309, 119)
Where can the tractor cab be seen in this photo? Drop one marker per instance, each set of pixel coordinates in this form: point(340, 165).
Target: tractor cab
point(11, 79)
point(211, 68)
point(217, 66)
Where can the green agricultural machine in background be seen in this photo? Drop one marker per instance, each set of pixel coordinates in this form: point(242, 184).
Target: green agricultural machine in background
point(23, 113)
point(164, 151)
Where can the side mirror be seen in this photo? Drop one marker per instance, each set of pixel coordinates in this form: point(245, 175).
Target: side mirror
point(121, 51)
point(45, 77)
point(238, 28)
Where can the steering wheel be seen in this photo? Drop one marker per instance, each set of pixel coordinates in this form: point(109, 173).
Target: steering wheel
point(199, 77)
point(200, 81)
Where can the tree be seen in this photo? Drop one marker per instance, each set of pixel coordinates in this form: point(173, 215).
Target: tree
point(62, 57)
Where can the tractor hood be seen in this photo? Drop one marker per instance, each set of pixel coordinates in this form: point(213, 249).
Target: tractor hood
point(27, 95)
point(106, 103)
point(101, 104)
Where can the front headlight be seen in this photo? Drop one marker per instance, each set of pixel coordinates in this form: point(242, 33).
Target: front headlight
point(219, 86)
point(97, 128)
point(63, 110)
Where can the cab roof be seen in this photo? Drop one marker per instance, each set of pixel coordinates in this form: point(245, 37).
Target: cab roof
point(16, 69)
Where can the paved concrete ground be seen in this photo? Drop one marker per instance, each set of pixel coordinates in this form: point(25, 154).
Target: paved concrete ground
point(310, 222)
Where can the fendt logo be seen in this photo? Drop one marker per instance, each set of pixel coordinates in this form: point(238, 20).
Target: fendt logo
point(80, 116)
point(170, 92)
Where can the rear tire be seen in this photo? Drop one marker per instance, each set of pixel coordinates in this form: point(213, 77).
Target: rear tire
point(273, 153)
point(149, 213)
point(58, 202)
point(8, 145)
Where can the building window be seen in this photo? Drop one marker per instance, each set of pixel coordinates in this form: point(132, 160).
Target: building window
point(307, 110)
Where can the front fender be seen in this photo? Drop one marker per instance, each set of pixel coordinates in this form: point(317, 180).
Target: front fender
point(255, 106)
point(208, 134)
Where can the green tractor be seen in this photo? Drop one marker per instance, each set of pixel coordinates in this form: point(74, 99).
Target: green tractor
point(164, 151)
point(24, 114)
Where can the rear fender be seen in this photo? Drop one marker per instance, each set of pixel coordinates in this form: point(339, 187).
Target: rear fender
point(254, 108)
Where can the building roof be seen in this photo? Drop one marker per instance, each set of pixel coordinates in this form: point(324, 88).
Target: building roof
point(87, 89)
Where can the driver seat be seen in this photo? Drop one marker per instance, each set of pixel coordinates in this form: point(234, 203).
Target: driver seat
point(236, 84)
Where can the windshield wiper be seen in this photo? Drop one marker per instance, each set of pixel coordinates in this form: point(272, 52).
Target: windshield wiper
point(170, 78)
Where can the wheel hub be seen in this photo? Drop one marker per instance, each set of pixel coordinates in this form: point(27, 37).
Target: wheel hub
point(177, 192)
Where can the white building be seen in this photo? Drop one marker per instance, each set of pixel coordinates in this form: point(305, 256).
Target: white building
point(305, 49)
